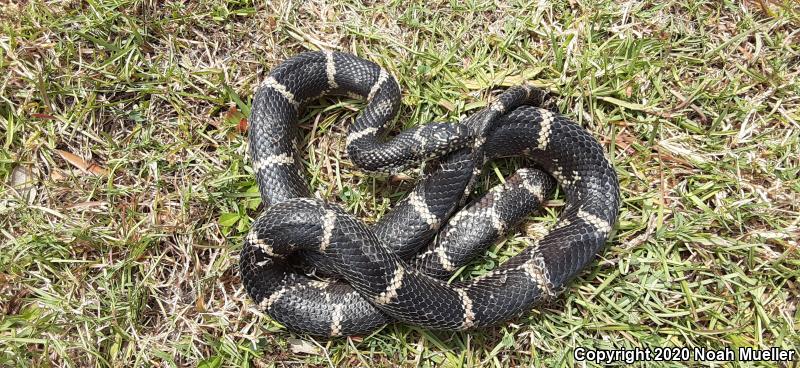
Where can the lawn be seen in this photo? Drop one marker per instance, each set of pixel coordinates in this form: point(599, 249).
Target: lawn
point(126, 192)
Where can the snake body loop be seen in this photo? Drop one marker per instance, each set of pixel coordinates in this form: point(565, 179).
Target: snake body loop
point(397, 268)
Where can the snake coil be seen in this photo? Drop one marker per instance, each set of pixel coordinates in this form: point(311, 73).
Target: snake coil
point(380, 273)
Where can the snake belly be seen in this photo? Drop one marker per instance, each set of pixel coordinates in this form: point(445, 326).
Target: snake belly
point(397, 268)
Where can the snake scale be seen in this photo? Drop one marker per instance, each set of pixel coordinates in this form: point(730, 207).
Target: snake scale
point(397, 269)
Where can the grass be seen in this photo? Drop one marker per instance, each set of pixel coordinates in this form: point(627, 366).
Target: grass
point(125, 192)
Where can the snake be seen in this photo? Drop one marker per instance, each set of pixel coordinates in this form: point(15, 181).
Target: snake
point(316, 269)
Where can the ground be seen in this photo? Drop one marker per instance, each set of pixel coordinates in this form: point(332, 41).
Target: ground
point(126, 192)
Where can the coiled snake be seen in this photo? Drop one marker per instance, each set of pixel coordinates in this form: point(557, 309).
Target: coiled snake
point(380, 274)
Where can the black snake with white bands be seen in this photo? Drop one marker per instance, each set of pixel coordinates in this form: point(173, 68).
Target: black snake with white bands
point(397, 269)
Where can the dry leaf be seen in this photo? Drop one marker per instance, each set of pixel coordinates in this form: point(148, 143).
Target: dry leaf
point(447, 105)
point(56, 175)
point(43, 116)
point(80, 163)
point(199, 305)
point(242, 127)
point(21, 177)
point(23, 181)
point(231, 113)
point(399, 177)
point(303, 347)
point(97, 170)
